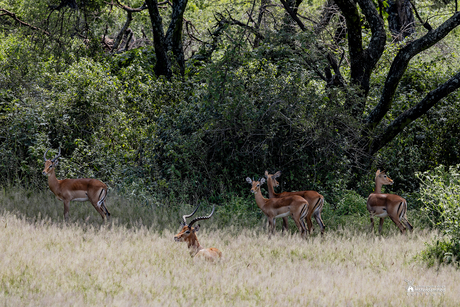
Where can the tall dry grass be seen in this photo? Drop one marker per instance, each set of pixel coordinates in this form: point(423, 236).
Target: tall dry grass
point(49, 263)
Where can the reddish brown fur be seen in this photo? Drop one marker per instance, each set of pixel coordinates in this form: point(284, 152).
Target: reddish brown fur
point(315, 201)
point(382, 205)
point(295, 205)
point(76, 189)
point(188, 235)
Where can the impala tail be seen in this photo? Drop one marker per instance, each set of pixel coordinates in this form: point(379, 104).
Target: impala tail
point(403, 216)
point(101, 202)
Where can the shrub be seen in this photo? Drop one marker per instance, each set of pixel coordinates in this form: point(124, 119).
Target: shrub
point(440, 192)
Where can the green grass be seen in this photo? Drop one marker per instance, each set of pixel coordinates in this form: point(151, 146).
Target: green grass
point(133, 261)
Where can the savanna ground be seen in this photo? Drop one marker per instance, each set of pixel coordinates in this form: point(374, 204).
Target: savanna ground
point(135, 262)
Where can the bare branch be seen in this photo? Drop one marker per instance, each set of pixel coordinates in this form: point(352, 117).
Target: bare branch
point(22, 23)
point(425, 24)
point(415, 112)
point(400, 63)
point(293, 15)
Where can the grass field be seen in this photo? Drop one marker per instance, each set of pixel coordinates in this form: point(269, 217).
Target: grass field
point(45, 262)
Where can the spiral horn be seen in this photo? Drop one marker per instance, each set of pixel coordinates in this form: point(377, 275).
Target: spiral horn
point(44, 156)
point(58, 155)
point(189, 215)
point(202, 217)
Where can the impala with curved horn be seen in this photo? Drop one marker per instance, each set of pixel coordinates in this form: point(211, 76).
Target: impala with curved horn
point(383, 205)
point(315, 200)
point(294, 205)
point(188, 234)
point(69, 190)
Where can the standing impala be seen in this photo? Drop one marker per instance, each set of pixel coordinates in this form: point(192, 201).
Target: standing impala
point(188, 234)
point(69, 190)
point(315, 200)
point(295, 206)
point(383, 205)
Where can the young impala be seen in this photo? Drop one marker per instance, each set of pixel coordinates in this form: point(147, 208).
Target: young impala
point(315, 200)
point(188, 234)
point(295, 206)
point(383, 205)
point(69, 190)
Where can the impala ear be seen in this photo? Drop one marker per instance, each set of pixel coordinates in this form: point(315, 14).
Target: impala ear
point(266, 174)
point(262, 180)
point(196, 228)
point(378, 172)
point(277, 174)
point(249, 180)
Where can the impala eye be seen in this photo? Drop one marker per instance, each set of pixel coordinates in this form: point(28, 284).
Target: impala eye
point(187, 231)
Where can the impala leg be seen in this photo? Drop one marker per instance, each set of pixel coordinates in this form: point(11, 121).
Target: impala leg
point(285, 224)
point(380, 225)
point(98, 203)
point(304, 228)
point(66, 210)
point(408, 225)
point(271, 227)
point(105, 210)
point(399, 224)
point(403, 218)
point(300, 222)
point(100, 211)
point(301, 225)
point(317, 215)
point(102, 203)
point(320, 222)
point(309, 223)
point(371, 228)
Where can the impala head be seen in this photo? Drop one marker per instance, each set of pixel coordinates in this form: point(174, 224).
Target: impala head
point(255, 184)
point(273, 177)
point(382, 178)
point(187, 232)
point(50, 164)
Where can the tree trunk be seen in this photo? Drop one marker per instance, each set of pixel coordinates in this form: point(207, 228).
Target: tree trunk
point(173, 37)
point(400, 19)
point(362, 61)
point(399, 66)
point(163, 64)
point(413, 113)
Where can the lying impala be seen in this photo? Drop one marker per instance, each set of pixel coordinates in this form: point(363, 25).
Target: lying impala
point(69, 190)
point(188, 234)
point(315, 200)
point(295, 206)
point(383, 205)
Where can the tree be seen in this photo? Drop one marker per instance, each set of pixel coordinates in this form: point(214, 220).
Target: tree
point(363, 60)
point(172, 40)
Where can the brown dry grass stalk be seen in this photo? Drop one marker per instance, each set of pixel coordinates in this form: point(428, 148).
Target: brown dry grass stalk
point(45, 263)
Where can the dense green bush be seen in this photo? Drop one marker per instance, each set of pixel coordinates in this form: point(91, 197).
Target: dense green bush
point(440, 192)
point(245, 110)
point(350, 203)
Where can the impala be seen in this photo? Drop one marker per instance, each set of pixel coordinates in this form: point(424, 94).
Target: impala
point(315, 200)
point(188, 234)
point(383, 205)
point(69, 190)
point(294, 205)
